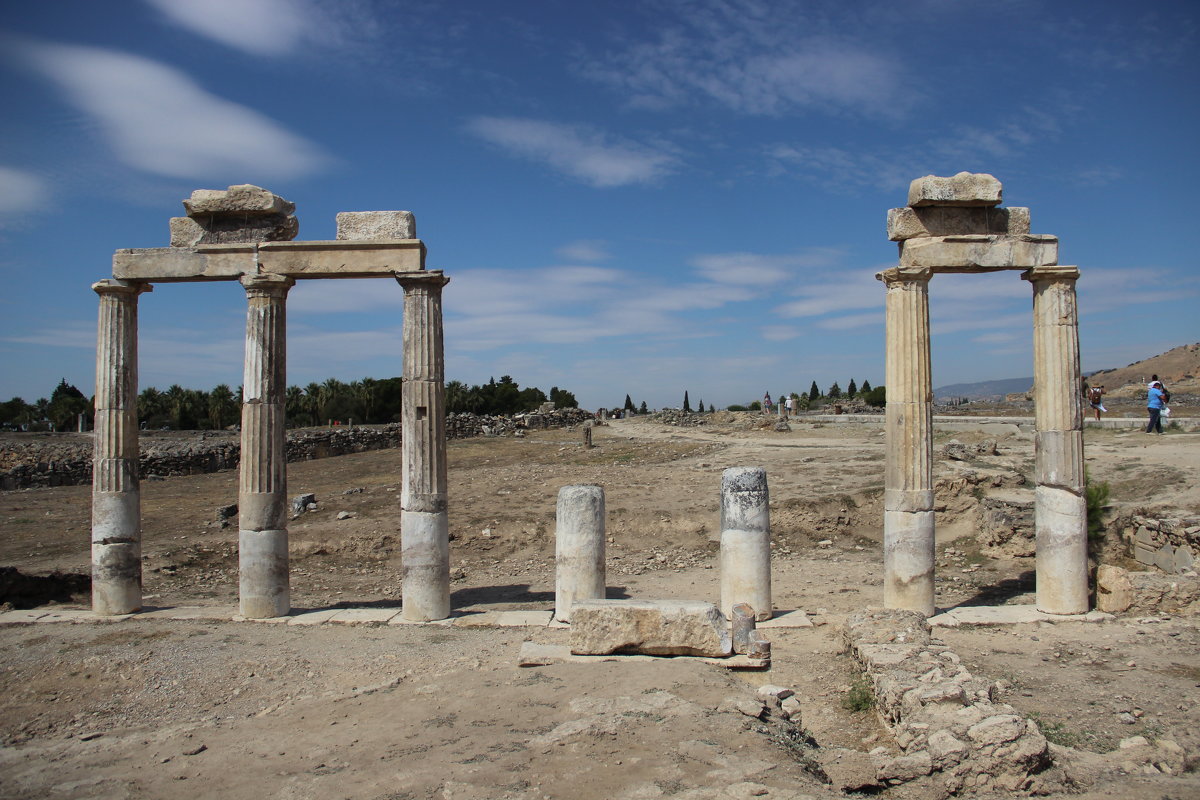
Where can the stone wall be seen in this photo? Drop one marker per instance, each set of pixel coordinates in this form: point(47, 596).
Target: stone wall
point(55, 461)
point(1170, 543)
point(951, 731)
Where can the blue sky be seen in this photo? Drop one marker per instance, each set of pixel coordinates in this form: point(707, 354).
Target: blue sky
point(633, 198)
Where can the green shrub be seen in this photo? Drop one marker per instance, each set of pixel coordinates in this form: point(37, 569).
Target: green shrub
point(861, 696)
point(1097, 498)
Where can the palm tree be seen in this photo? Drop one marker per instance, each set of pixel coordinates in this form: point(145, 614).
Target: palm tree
point(221, 406)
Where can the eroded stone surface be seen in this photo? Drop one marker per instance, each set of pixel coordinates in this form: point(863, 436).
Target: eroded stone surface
point(242, 198)
point(360, 225)
point(963, 189)
point(911, 223)
point(651, 627)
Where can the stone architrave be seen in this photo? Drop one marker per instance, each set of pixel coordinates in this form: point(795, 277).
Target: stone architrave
point(911, 223)
point(1060, 509)
point(264, 588)
point(424, 531)
point(579, 548)
point(979, 252)
point(745, 541)
point(908, 524)
point(116, 495)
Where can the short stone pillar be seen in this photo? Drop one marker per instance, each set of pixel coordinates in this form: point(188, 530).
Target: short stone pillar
point(578, 548)
point(424, 530)
point(1060, 504)
point(908, 526)
point(745, 541)
point(264, 589)
point(116, 495)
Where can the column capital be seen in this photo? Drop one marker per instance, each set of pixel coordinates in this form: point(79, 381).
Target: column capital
point(113, 286)
point(426, 278)
point(267, 285)
point(1054, 273)
point(896, 275)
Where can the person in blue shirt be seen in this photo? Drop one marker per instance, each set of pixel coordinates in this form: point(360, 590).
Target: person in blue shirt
point(1155, 402)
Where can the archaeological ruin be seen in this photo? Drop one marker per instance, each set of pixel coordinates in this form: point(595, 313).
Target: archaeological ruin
point(245, 234)
point(954, 225)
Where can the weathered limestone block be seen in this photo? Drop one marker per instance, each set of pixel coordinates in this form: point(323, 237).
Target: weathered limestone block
point(1114, 591)
point(360, 225)
point(243, 198)
point(190, 232)
point(980, 252)
point(651, 627)
point(911, 223)
point(963, 189)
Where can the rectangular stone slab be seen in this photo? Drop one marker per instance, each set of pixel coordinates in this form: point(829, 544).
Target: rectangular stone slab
point(979, 253)
point(222, 262)
point(342, 259)
point(963, 189)
point(649, 627)
point(912, 223)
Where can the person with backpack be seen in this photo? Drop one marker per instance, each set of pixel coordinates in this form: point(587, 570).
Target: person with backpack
point(1095, 396)
point(1156, 401)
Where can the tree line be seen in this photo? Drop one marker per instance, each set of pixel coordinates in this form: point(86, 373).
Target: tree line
point(366, 401)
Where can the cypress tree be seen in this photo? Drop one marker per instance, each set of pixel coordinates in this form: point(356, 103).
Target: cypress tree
point(686, 405)
point(813, 392)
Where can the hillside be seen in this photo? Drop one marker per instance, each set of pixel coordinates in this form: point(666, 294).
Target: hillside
point(1179, 369)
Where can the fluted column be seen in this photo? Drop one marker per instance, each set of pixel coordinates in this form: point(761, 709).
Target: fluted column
point(116, 496)
point(1060, 506)
point(263, 584)
point(908, 526)
point(424, 531)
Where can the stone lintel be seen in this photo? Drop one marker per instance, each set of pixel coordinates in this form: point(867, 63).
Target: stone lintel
point(904, 274)
point(1050, 273)
point(980, 252)
point(374, 258)
point(911, 223)
point(224, 262)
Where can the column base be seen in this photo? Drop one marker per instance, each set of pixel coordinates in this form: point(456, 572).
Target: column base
point(746, 572)
point(1062, 569)
point(425, 555)
point(263, 582)
point(116, 578)
point(908, 558)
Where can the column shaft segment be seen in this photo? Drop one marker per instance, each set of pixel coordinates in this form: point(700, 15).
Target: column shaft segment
point(424, 532)
point(578, 548)
point(116, 495)
point(264, 589)
point(908, 526)
point(1060, 509)
point(746, 541)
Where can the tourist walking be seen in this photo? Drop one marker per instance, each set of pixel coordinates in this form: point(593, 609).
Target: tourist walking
point(1155, 403)
point(767, 402)
point(790, 405)
point(1095, 397)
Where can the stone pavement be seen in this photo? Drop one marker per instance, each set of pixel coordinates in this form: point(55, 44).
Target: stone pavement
point(469, 617)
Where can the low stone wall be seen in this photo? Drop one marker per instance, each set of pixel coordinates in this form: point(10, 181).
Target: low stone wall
point(1170, 543)
point(951, 732)
point(52, 461)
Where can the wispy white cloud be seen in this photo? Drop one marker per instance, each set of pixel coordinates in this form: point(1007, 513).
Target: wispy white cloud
point(857, 290)
point(258, 27)
point(752, 57)
point(584, 250)
point(579, 152)
point(22, 191)
point(159, 120)
point(762, 270)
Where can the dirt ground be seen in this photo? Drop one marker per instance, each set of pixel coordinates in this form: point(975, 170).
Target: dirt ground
point(156, 709)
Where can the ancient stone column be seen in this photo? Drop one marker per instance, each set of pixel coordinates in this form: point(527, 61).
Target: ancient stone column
point(263, 584)
point(1060, 505)
point(745, 541)
point(116, 498)
point(424, 532)
point(578, 548)
point(908, 529)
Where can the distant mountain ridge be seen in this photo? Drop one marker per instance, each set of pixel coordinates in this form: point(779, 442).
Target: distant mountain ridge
point(1179, 368)
point(984, 390)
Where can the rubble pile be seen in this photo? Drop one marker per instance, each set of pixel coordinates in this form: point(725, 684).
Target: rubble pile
point(946, 723)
